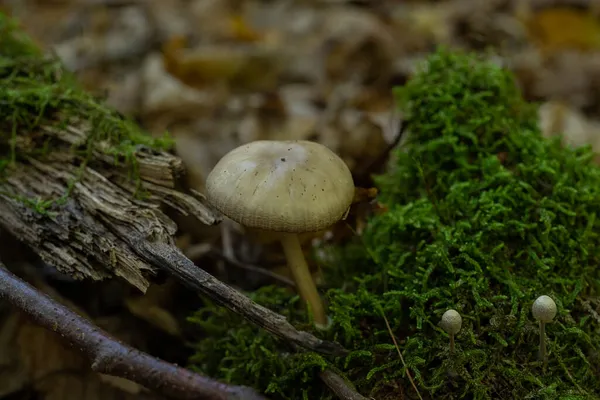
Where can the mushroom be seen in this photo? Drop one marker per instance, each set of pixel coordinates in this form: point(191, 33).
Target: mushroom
point(288, 187)
point(544, 310)
point(451, 323)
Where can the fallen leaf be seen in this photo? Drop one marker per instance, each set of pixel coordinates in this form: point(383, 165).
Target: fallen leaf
point(362, 195)
point(149, 307)
point(167, 100)
point(201, 68)
point(431, 22)
point(562, 28)
point(241, 67)
point(109, 35)
point(358, 47)
point(13, 375)
point(558, 119)
point(121, 383)
point(242, 31)
point(60, 372)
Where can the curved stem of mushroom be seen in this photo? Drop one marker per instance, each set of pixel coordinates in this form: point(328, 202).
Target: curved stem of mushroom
point(304, 281)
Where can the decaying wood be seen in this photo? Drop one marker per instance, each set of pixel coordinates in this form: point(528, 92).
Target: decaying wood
point(74, 240)
point(157, 167)
point(109, 356)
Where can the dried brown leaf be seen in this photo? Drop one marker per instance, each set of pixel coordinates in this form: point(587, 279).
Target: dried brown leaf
point(13, 375)
point(152, 308)
point(559, 28)
point(358, 46)
point(558, 119)
point(241, 67)
point(167, 100)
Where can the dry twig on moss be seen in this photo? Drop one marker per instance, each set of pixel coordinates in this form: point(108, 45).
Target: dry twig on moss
point(109, 356)
point(339, 386)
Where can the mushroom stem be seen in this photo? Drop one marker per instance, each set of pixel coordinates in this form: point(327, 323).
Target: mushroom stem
point(543, 355)
point(451, 344)
point(304, 281)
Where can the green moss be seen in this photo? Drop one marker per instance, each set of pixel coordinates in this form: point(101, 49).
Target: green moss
point(241, 352)
point(483, 216)
point(36, 91)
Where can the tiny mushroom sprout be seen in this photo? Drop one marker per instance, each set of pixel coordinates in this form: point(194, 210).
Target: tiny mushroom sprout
point(451, 323)
point(287, 187)
point(543, 310)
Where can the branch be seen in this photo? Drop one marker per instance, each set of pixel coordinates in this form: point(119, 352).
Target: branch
point(170, 259)
point(109, 356)
point(338, 385)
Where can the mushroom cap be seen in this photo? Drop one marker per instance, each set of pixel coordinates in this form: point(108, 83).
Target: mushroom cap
point(283, 186)
point(451, 322)
point(544, 309)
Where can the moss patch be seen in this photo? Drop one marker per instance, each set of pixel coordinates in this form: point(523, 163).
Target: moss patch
point(483, 216)
point(36, 91)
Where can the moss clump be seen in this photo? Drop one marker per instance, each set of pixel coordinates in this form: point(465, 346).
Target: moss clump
point(36, 91)
point(240, 352)
point(483, 216)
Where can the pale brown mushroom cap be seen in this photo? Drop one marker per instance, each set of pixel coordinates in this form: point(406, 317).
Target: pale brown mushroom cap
point(283, 186)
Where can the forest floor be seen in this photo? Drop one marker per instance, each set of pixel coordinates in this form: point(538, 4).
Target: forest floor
point(219, 73)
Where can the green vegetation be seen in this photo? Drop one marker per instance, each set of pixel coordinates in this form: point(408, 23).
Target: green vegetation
point(37, 92)
point(483, 216)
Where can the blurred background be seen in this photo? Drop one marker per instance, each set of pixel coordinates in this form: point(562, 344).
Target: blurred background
point(219, 73)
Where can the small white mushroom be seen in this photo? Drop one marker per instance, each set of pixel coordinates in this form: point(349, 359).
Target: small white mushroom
point(288, 187)
point(451, 323)
point(543, 310)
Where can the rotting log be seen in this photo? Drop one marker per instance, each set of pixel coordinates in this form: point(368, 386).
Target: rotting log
point(70, 236)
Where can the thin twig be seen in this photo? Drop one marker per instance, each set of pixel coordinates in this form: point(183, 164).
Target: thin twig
point(249, 267)
point(170, 259)
point(200, 250)
point(338, 385)
point(412, 382)
point(109, 356)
